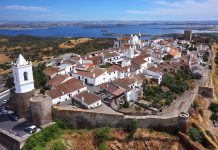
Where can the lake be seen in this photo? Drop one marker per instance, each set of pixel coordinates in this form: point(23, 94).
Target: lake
point(78, 31)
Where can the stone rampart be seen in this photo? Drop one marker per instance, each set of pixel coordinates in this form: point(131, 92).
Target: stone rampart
point(10, 141)
point(78, 118)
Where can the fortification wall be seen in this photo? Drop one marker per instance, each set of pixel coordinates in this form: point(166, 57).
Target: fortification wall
point(90, 119)
point(86, 119)
point(9, 141)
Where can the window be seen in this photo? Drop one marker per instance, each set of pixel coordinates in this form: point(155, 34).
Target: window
point(25, 75)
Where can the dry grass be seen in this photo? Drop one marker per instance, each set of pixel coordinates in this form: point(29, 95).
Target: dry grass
point(215, 71)
point(72, 43)
point(3, 40)
point(4, 59)
point(84, 140)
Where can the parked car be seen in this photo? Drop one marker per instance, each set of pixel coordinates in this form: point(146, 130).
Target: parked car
point(4, 102)
point(31, 129)
point(12, 116)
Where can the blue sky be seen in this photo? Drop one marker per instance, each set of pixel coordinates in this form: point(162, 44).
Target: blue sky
point(75, 10)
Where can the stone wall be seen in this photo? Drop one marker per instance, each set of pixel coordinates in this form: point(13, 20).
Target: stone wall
point(10, 141)
point(89, 119)
point(86, 119)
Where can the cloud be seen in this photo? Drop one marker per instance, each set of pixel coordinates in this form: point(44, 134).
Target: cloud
point(24, 8)
point(181, 10)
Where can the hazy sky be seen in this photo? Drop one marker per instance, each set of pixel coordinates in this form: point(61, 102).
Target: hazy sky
point(70, 10)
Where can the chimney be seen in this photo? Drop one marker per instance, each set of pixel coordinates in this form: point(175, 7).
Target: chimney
point(82, 99)
point(107, 85)
point(93, 75)
point(80, 60)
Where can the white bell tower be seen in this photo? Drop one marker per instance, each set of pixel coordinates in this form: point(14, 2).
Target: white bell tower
point(23, 75)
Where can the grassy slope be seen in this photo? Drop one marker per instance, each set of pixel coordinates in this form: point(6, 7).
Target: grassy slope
point(85, 140)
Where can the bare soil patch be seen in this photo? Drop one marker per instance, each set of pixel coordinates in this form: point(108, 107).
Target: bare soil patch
point(73, 42)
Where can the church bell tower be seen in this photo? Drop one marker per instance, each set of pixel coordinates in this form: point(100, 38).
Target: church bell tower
point(24, 86)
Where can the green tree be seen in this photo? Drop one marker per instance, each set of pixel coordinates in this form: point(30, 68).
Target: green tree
point(195, 134)
point(214, 107)
point(39, 76)
point(102, 135)
point(103, 146)
point(132, 127)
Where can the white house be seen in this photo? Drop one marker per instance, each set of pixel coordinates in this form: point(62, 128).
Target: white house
point(155, 73)
point(88, 100)
point(112, 58)
point(66, 90)
point(94, 77)
point(133, 87)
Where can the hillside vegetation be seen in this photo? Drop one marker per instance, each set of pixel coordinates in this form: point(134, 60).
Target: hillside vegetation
point(59, 137)
point(40, 49)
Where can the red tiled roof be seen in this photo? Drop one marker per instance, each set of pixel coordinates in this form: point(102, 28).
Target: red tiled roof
point(51, 70)
point(65, 88)
point(113, 89)
point(96, 73)
point(174, 52)
point(87, 98)
point(58, 79)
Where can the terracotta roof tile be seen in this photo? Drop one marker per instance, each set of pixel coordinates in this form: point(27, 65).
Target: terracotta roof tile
point(58, 79)
point(51, 70)
point(65, 88)
point(87, 98)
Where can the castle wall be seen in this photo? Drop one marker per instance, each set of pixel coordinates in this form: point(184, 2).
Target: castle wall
point(89, 119)
point(10, 141)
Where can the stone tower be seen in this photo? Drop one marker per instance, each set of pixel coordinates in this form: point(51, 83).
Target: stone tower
point(24, 86)
point(41, 109)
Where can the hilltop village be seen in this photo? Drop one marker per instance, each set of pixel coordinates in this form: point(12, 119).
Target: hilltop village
point(152, 81)
point(122, 72)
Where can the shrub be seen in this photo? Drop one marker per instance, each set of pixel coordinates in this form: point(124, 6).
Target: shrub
point(132, 127)
point(214, 117)
point(213, 107)
point(126, 104)
point(195, 134)
point(195, 105)
point(138, 109)
point(102, 135)
point(103, 146)
point(58, 145)
point(210, 135)
point(41, 138)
